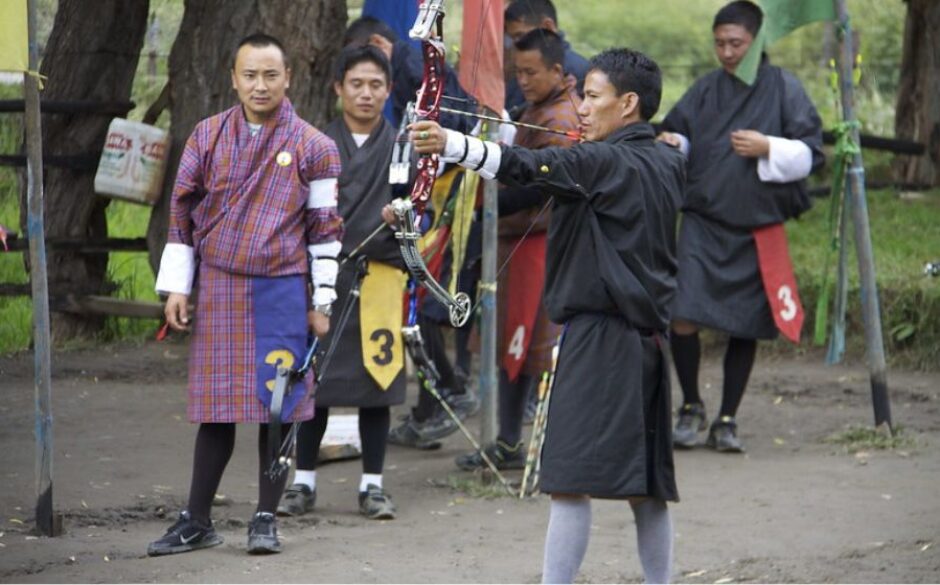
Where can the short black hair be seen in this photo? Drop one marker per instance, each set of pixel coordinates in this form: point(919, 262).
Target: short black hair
point(359, 31)
point(260, 40)
point(547, 43)
point(353, 55)
point(629, 70)
point(741, 12)
point(530, 11)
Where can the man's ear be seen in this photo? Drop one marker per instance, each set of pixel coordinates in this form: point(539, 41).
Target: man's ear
point(630, 104)
point(287, 78)
point(337, 87)
point(234, 85)
point(549, 24)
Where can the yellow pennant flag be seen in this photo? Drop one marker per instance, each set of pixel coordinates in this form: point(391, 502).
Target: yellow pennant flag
point(14, 39)
point(380, 321)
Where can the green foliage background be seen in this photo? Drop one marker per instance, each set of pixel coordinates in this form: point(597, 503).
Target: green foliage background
point(677, 33)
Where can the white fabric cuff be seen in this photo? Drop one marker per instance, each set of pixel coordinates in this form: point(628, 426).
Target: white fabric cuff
point(472, 153)
point(683, 143)
point(323, 269)
point(177, 269)
point(787, 161)
point(322, 194)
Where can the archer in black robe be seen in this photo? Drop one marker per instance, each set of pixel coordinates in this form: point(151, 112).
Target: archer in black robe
point(719, 283)
point(610, 279)
point(363, 191)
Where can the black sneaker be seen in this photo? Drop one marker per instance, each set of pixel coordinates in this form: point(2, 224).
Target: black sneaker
point(262, 534)
point(691, 423)
point(298, 500)
point(375, 504)
point(185, 535)
point(408, 434)
point(723, 436)
point(502, 455)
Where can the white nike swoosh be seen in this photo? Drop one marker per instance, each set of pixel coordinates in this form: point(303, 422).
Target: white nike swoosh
point(185, 540)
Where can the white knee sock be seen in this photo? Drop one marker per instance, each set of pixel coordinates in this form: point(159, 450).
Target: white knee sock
point(569, 528)
point(654, 539)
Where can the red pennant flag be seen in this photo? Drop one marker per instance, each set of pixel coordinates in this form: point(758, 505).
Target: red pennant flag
point(481, 56)
point(776, 270)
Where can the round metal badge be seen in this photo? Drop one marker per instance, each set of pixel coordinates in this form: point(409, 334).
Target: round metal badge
point(283, 158)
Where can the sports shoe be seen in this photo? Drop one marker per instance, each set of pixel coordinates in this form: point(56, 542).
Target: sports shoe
point(262, 534)
point(375, 504)
point(691, 422)
point(723, 436)
point(438, 426)
point(298, 500)
point(464, 405)
point(408, 434)
point(185, 535)
point(502, 455)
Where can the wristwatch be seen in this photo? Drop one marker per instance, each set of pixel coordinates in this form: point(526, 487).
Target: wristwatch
point(326, 310)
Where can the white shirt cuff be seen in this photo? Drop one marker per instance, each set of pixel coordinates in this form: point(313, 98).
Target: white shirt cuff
point(787, 161)
point(683, 143)
point(177, 270)
point(472, 153)
point(323, 193)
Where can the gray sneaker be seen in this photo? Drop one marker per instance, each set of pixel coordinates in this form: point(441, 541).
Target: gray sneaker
point(262, 534)
point(298, 500)
point(691, 423)
point(409, 434)
point(375, 504)
point(723, 436)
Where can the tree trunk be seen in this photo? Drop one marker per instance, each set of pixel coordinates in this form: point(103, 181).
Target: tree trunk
point(201, 61)
point(92, 55)
point(918, 106)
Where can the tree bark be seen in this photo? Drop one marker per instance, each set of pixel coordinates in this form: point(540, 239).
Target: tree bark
point(201, 62)
point(918, 105)
point(92, 55)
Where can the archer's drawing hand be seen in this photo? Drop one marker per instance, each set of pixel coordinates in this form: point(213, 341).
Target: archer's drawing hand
point(428, 137)
point(670, 139)
point(176, 311)
point(319, 323)
point(750, 143)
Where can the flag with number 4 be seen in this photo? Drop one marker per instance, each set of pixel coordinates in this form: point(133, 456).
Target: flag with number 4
point(779, 282)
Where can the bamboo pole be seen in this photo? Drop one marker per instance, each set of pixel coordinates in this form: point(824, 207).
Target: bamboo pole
point(855, 185)
point(47, 521)
point(489, 379)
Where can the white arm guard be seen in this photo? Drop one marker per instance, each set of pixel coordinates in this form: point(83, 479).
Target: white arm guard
point(323, 269)
point(472, 153)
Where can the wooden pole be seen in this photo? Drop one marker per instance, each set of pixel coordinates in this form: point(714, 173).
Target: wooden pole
point(47, 522)
point(855, 185)
point(489, 379)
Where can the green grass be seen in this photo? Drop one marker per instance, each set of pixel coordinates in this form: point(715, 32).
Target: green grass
point(475, 487)
point(904, 236)
point(859, 438)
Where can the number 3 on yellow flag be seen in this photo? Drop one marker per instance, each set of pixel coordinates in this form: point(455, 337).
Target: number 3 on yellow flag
point(380, 321)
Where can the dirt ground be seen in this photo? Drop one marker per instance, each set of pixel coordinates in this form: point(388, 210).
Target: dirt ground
point(794, 509)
